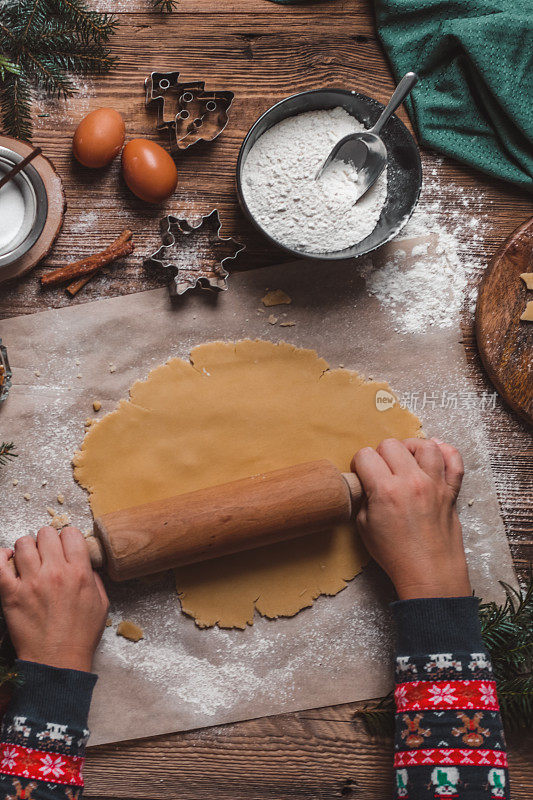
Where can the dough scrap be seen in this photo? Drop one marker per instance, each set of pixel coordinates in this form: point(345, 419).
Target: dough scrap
point(129, 630)
point(276, 297)
point(234, 410)
point(527, 277)
point(527, 316)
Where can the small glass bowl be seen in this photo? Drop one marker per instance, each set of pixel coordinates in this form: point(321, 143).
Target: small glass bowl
point(33, 191)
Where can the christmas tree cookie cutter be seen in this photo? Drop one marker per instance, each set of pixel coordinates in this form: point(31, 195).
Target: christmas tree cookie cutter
point(193, 255)
point(201, 114)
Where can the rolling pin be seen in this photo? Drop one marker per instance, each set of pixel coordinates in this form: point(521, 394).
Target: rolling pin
point(208, 523)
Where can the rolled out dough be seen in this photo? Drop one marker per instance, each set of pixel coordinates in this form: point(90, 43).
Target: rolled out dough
point(234, 410)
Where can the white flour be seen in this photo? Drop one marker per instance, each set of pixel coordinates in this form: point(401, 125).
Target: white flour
point(280, 189)
point(86, 222)
point(424, 277)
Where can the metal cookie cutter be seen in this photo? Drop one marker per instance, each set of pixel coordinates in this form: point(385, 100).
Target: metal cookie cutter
point(193, 255)
point(201, 114)
point(5, 373)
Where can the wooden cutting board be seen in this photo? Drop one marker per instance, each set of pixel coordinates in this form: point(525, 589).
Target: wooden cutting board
point(505, 342)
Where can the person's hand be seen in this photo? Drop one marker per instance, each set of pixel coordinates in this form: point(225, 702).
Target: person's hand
point(408, 519)
point(56, 607)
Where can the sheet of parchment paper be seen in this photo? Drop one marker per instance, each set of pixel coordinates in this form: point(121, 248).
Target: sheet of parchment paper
point(179, 677)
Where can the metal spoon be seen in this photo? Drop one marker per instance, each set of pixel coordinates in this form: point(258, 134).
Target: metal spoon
point(365, 150)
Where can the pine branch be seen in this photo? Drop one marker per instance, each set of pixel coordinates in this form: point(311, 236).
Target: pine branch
point(89, 24)
point(7, 66)
point(166, 6)
point(48, 74)
point(506, 629)
point(378, 719)
point(47, 41)
point(33, 18)
point(83, 63)
point(8, 675)
point(15, 106)
point(7, 451)
point(516, 702)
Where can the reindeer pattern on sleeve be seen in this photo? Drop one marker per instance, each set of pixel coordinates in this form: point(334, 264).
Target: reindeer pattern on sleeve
point(449, 738)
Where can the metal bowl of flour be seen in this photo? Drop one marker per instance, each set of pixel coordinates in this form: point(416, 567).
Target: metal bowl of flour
point(404, 169)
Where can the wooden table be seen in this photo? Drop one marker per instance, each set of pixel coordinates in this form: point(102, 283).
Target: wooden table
point(262, 52)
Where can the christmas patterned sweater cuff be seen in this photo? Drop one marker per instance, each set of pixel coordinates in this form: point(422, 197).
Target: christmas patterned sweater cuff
point(44, 730)
point(449, 740)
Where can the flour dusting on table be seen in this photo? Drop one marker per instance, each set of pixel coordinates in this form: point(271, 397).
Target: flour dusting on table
point(279, 186)
point(424, 276)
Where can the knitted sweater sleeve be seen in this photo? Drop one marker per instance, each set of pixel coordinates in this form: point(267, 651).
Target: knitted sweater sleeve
point(449, 735)
point(44, 733)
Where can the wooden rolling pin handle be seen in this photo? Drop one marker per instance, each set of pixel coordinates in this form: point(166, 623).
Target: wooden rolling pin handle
point(96, 552)
point(355, 488)
point(220, 520)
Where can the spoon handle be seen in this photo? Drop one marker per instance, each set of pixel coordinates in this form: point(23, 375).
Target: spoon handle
point(18, 167)
point(400, 93)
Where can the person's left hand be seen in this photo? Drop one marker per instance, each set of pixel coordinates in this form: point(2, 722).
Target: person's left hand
point(56, 607)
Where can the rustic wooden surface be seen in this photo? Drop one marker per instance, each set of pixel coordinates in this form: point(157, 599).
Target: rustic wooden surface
point(262, 52)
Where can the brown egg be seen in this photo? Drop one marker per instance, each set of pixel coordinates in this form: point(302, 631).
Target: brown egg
point(99, 137)
point(149, 171)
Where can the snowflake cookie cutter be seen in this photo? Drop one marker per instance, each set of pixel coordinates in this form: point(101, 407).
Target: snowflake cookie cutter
point(193, 255)
point(201, 114)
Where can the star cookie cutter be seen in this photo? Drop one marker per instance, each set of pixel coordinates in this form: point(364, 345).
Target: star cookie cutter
point(5, 373)
point(201, 114)
point(193, 255)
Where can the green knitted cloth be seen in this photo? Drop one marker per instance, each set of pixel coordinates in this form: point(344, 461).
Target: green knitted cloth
point(474, 101)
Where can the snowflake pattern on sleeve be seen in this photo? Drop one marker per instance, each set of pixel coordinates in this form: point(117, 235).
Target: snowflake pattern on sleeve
point(40, 761)
point(449, 739)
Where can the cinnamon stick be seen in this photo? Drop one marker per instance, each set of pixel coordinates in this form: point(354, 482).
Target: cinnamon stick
point(74, 287)
point(125, 236)
point(86, 267)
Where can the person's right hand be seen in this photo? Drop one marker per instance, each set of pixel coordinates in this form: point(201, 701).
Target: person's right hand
point(56, 607)
point(408, 519)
